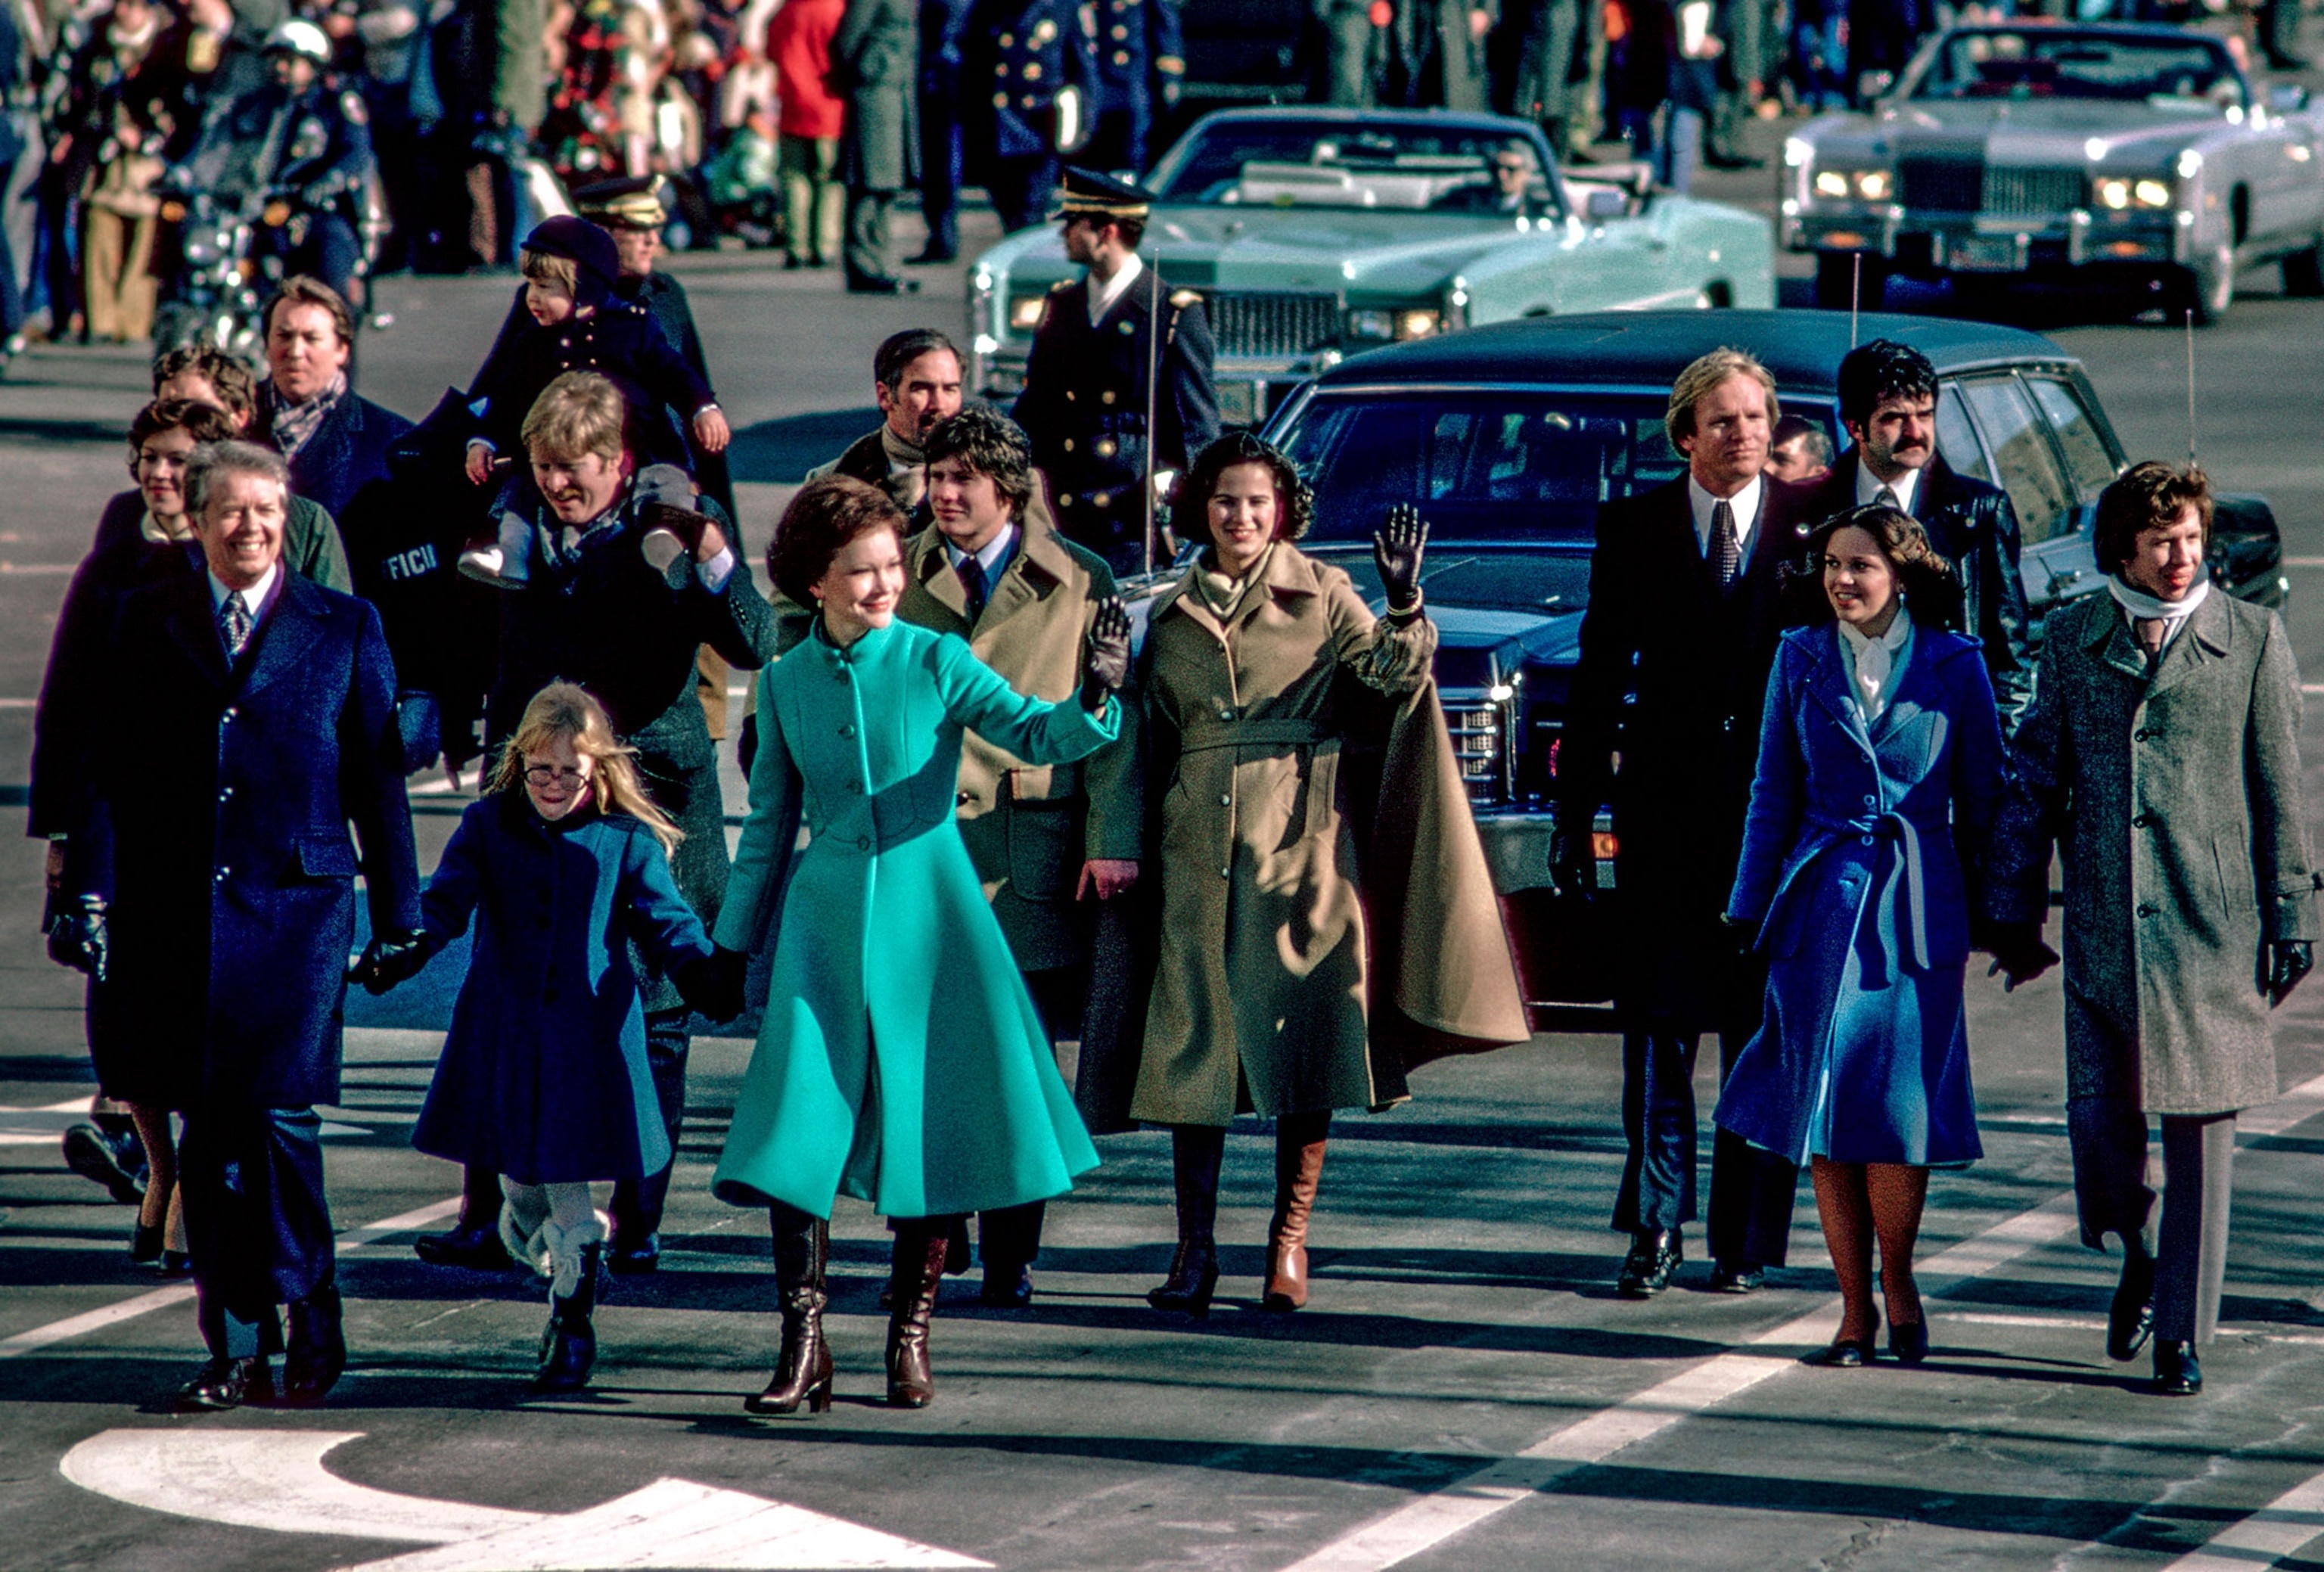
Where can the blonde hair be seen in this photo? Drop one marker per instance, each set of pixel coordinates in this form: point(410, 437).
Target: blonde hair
point(543, 268)
point(1706, 372)
point(578, 413)
point(563, 709)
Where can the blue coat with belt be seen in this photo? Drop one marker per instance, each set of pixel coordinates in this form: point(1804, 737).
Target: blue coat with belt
point(544, 1075)
point(221, 827)
point(1852, 873)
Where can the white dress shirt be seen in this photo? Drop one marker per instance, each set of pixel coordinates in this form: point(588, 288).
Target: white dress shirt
point(1102, 296)
point(1868, 486)
point(1746, 504)
point(992, 557)
point(256, 600)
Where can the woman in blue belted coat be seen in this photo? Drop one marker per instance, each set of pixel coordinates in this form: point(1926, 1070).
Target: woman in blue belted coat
point(1880, 769)
point(900, 1061)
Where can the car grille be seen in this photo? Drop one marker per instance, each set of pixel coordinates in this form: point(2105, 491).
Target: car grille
point(1261, 323)
point(1941, 185)
point(2032, 193)
point(1479, 744)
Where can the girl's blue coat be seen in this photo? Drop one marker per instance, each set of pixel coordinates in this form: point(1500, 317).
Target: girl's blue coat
point(1862, 1056)
point(544, 1075)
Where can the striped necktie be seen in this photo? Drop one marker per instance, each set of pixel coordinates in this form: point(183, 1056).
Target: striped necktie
point(234, 624)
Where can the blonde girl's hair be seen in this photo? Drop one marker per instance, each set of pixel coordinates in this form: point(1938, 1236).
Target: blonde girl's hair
point(549, 269)
point(563, 709)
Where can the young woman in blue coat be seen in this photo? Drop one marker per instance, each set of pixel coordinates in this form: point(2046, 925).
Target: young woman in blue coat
point(543, 1079)
point(1880, 770)
point(901, 1060)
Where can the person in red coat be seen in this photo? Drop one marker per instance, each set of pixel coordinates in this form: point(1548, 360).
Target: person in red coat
point(807, 145)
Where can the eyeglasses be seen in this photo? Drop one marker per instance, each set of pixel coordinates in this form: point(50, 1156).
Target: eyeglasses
point(555, 774)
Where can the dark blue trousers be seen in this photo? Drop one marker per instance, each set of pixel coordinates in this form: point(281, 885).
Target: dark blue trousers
point(1751, 1190)
point(258, 1224)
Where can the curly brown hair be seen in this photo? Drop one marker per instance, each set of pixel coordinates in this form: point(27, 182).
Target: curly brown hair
point(1924, 578)
point(823, 519)
point(1294, 508)
point(2148, 497)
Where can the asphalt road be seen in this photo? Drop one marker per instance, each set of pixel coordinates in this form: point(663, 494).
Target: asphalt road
point(1463, 1392)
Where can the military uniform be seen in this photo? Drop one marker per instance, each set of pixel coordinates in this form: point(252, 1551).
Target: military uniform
point(1140, 67)
point(943, 108)
point(1029, 52)
point(316, 145)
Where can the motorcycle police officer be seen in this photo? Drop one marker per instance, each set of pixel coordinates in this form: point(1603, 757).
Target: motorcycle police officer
point(1140, 69)
point(1107, 343)
point(304, 135)
point(1037, 58)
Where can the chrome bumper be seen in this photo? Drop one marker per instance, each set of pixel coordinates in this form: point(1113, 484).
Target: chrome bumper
point(1980, 243)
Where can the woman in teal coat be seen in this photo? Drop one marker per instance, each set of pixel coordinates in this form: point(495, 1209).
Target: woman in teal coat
point(900, 1061)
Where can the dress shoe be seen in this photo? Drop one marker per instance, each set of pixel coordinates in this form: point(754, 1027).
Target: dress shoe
point(115, 1162)
point(145, 1247)
point(1908, 1341)
point(174, 1263)
point(1736, 1278)
point(2130, 1320)
point(477, 1248)
point(1848, 1353)
point(1646, 1270)
point(2177, 1371)
point(634, 1257)
point(882, 284)
point(318, 1352)
point(1732, 160)
point(227, 1383)
point(1006, 1288)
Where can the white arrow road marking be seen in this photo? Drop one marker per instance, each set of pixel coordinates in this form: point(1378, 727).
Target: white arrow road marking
point(275, 1479)
point(675, 1522)
point(267, 1479)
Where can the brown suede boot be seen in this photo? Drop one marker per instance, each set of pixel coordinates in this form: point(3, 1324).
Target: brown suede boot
point(1299, 1168)
point(921, 1246)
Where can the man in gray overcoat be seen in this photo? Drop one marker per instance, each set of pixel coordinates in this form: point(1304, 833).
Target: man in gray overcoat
point(876, 67)
point(2161, 753)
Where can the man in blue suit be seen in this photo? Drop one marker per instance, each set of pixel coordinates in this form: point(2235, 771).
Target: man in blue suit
point(1140, 67)
point(220, 851)
point(1032, 62)
point(337, 441)
point(943, 24)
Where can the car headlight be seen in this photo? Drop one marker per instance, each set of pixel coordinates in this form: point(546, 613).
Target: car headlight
point(1865, 185)
point(1025, 312)
point(1831, 183)
point(1874, 185)
point(2152, 193)
point(2120, 193)
point(1418, 324)
point(1369, 324)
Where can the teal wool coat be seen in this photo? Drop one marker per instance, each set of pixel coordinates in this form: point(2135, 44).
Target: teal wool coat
point(900, 1061)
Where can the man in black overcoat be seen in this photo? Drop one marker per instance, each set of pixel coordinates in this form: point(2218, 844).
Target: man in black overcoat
point(335, 441)
point(220, 840)
point(1888, 403)
point(601, 612)
point(915, 377)
point(1685, 608)
point(1087, 378)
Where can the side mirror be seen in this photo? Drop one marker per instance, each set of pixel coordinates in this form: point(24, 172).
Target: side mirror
point(2287, 97)
point(1601, 204)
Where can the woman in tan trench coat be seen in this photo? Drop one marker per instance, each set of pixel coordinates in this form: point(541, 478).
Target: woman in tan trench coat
point(1264, 984)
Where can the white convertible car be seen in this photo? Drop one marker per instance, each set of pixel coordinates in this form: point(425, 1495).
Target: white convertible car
point(2037, 151)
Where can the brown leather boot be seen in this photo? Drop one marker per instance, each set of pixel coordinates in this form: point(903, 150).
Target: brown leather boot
point(803, 1367)
point(1195, 1154)
point(921, 1244)
point(1299, 1168)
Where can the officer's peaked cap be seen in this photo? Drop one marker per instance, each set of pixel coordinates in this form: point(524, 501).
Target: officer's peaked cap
point(1099, 195)
point(632, 202)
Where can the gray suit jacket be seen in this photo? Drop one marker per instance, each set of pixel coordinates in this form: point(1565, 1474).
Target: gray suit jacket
point(2175, 796)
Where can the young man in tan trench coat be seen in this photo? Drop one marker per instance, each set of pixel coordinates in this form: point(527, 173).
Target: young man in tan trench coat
point(2161, 755)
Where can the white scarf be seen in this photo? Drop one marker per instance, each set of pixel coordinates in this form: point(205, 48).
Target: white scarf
point(2136, 605)
point(1871, 660)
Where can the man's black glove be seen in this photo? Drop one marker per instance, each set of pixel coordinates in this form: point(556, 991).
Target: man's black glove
point(713, 984)
point(1397, 547)
point(1741, 934)
point(389, 959)
point(1573, 869)
point(1106, 666)
point(75, 925)
point(2288, 961)
point(2019, 956)
point(421, 723)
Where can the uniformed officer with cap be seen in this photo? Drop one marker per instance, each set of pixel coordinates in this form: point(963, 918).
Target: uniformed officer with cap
point(1103, 342)
point(1140, 69)
point(1038, 58)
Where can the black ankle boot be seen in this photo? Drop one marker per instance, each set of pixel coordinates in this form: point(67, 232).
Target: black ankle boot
point(569, 1346)
point(803, 1366)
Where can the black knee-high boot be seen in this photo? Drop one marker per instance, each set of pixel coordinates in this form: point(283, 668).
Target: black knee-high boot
point(1196, 1151)
point(921, 1244)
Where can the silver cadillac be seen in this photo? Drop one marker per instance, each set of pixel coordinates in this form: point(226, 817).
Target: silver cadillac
point(2040, 152)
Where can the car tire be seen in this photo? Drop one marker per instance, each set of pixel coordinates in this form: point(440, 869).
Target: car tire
point(1838, 286)
point(2303, 270)
point(2207, 288)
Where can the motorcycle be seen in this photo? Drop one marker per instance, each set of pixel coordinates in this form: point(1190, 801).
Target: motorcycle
point(225, 243)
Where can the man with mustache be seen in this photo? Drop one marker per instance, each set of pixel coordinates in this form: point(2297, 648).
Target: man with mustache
point(1888, 403)
point(601, 615)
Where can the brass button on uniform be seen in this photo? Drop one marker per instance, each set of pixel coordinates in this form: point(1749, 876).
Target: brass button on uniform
point(1226, 799)
point(1106, 397)
point(1069, 444)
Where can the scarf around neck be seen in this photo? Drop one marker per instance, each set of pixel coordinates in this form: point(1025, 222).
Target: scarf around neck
point(1221, 593)
point(1873, 662)
point(2141, 605)
point(909, 481)
point(295, 424)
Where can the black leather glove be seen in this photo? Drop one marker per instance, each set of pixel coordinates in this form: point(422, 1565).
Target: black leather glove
point(1573, 869)
point(713, 984)
point(75, 925)
point(2288, 961)
point(1741, 933)
point(1397, 547)
point(389, 959)
point(2019, 956)
point(746, 743)
point(1106, 666)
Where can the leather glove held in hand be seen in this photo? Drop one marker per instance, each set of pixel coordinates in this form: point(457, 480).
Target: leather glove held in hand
point(1397, 547)
point(2018, 952)
point(77, 934)
point(2288, 961)
point(1106, 665)
point(713, 983)
point(1571, 868)
point(389, 959)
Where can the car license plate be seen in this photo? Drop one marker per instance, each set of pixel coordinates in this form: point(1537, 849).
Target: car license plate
point(1984, 253)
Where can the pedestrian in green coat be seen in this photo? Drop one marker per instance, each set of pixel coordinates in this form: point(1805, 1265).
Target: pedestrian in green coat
point(900, 1061)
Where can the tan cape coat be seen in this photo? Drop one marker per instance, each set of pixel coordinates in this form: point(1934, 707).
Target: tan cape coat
point(1273, 989)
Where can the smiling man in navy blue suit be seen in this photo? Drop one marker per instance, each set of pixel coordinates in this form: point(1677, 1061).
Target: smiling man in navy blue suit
point(220, 844)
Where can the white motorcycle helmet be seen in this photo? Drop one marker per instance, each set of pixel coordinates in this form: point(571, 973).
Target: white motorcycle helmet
point(301, 38)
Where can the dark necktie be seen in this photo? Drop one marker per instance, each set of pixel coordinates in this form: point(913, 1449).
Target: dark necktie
point(234, 625)
point(2149, 631)
point(1887, 498)
point(1726, 551)
point(972, 579)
